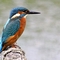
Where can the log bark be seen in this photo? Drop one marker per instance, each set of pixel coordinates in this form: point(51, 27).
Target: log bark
point(13, 53)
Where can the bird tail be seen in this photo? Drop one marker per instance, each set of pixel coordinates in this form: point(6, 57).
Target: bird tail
point(0, 45)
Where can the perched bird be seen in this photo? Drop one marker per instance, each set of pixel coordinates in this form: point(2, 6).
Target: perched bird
point(14, 27)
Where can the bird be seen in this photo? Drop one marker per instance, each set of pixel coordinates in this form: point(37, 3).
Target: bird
point(14, 26)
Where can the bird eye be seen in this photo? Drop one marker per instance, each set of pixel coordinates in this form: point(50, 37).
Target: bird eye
point(26, 11)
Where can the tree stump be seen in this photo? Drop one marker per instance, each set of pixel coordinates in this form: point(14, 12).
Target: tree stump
point(13, 53)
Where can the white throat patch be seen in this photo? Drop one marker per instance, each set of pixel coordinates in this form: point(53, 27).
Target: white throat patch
point(25, 16)
point(16, 15)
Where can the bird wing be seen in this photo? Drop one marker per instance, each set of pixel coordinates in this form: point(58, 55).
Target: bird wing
point(0, 44)
point(10, 29)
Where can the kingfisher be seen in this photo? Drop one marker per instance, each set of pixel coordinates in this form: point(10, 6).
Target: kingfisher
point(14, 26)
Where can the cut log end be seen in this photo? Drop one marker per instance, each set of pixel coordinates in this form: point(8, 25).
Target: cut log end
point(13, 53)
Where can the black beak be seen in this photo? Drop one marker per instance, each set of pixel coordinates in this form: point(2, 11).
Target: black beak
point(32, 12)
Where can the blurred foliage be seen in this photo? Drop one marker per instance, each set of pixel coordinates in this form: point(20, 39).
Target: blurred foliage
point(6, 3)
point(30, 3)
point(57, 2)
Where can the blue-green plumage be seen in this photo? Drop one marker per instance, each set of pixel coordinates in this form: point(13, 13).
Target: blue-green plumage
point(15, 10)
point(10, 29)
point(13, 24)
point(0, 45)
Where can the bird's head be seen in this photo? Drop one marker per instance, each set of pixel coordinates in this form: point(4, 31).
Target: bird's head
point(21, 12)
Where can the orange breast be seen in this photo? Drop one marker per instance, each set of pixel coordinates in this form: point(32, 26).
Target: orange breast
point(11, 40)
point(22, 27)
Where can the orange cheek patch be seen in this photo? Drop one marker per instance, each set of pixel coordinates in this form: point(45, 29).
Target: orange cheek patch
point(20, 12)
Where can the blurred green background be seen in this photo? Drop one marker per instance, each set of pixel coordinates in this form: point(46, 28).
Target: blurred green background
point(41, 38)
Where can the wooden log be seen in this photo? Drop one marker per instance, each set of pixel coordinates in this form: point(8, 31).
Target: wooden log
point(13, 53)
